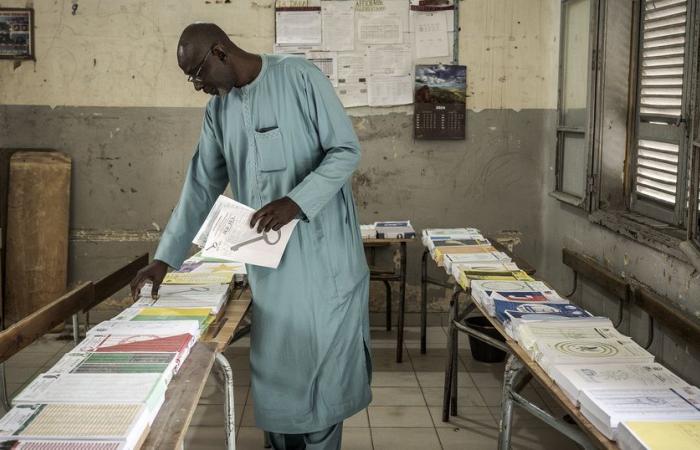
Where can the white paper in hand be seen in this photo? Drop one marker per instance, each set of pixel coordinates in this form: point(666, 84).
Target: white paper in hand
point(226, 234)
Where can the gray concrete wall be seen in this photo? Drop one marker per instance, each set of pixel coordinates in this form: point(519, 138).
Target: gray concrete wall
point(129, 163)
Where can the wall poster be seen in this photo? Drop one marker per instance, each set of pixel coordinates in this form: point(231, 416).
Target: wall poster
point(440, 102)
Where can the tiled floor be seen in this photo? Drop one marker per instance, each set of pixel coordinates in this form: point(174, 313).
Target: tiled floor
point(404, 414)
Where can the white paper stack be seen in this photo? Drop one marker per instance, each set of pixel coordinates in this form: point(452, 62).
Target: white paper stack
point(211, 296)
point(486, 292)
point(123, 423)
point(473, 258)
point(512, 316)
point(401, 229)
point(606, 408)
point(368, 231)
point(659, 435)
point(530, 333)
point(549, 353)
point(572, 379)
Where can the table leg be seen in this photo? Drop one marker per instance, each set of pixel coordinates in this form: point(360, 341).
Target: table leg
point(423, 300)
point(230, 424)
point(402, 304)
point(76, 329)
point(455, 353)
point(450, 361)
point(3, 389)
point(511, 379)
point(387, 286)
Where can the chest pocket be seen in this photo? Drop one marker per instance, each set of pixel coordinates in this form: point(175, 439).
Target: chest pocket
point(270, 150)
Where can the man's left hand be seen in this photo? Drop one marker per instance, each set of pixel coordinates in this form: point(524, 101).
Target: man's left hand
point(275, 215)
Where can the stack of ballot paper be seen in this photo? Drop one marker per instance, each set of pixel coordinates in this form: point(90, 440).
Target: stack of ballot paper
point(122, 423)
point(67, 445)
point(449, 259)
point(201, 315)
point(529, 333)
point(487, 292)
point(465, 273)
point(659, 435)
point(401, 229)
point(513, 314)
point(606, 408)
point(211, 296)
point(200, 272)
point(575, 378)
point(551, 352)
point(368, 231)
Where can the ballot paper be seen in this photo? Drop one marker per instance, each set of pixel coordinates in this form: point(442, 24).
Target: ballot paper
point(549, 353)
point(401, 229)
point(487, 291)
point(430, 34)
point(658, 435)
point(154, 328)
point(464, 279)
point(530, 333)
point(393, 60)
point(381, 23)
point(185, 296)
point(298, 27)
point(606, 408)
point(87, 388)
point(226, 234)
point(572, 379)
point(389, 91)
point(124, 423)
point(327, 62)
point(338, 25)
point(152, 314)
point(69, 445)
point(448, 260)
point(200, 272)
point(440, 252)
point(163, 364)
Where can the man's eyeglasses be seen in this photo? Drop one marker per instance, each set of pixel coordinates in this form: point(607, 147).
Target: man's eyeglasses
point(195, 77)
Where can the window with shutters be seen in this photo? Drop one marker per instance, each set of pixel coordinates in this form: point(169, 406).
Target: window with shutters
point(577, 56)
point(659, 163)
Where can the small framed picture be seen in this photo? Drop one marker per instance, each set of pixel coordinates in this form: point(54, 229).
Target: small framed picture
point(16, 33)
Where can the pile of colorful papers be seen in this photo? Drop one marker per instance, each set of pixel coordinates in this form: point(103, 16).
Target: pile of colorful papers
point(107, 391)
point(615, 382)
point(399, 229)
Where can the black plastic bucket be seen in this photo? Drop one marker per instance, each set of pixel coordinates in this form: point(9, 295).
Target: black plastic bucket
point(481, 351)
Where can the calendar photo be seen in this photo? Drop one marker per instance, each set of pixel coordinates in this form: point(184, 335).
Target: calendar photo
point(440, 101)
point(16, 33)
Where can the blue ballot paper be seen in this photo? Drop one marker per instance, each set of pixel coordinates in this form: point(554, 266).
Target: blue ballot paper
point(508, 310)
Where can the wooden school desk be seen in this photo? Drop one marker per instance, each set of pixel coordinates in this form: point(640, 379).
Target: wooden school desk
point(397, 273)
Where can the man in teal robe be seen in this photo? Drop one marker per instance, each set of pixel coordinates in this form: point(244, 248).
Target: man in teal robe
point(276, 131)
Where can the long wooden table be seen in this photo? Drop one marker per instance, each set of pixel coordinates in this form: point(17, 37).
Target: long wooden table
point(182, 396)
point(520, 369)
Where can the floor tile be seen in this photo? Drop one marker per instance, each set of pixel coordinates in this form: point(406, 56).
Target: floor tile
point(206, 438)
point(437, 379)
point(482, 438)
point(467, 417)
point(405, 439)
point(359, 420)
point(467, 396)
point(356, 439)
point(397, 396)
point(394, 379)
point(246, 438)
point(399, 416)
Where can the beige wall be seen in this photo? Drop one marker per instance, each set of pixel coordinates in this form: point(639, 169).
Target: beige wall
point(122, 52)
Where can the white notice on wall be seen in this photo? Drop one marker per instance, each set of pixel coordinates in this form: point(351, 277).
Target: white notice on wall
point(430, 35)
point(338, 20)
point(352, 94)
point(392, 60)
point(352, 67)
point(389, 91)
point(327, 62)
point(384, 25)
point(298, 27)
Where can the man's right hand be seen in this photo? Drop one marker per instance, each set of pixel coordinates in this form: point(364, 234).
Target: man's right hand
point(155, 272)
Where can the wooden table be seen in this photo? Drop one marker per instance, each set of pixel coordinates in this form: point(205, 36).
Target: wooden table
point(397, 273)
point(182, 396)
point(519, 370)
